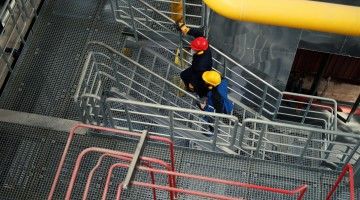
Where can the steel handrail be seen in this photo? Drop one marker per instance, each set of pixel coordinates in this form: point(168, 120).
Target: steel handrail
point(112, 50)
point(178, 109)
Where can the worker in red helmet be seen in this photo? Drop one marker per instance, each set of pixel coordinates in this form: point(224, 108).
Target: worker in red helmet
point(201, 62)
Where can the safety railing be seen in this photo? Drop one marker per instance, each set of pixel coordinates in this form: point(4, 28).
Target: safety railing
point(130, 78)
point(298, 144)
point(211, 131)
point(245, 87)
point(191, 12)
point(105, 84)
point(162, 175)
point(15, 18)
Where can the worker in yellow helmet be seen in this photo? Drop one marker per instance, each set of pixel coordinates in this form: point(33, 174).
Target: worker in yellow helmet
point(217, 97)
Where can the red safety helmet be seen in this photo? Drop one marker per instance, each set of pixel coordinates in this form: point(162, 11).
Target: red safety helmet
point(199, 44)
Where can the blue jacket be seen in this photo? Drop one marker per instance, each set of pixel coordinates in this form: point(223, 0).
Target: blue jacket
point(219, 100)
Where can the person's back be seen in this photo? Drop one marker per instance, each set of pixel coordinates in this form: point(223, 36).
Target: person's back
point(201, 62)
point(202, 58)
point(217, 97)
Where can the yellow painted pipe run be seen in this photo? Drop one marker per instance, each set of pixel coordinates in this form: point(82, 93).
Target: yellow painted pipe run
point(177, 10)
point(303, 14)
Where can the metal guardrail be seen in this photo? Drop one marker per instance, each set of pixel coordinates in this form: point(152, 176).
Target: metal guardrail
point(191, 13)
point(112, 84)
point(298, 144)
point(15, 17)
point(245, 87)
point(108, 95)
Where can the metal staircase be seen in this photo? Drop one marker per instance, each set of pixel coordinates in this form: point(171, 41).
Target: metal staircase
point(117, 91)
point(245, 87)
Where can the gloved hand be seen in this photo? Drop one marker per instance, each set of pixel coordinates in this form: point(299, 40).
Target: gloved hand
point(182, 27)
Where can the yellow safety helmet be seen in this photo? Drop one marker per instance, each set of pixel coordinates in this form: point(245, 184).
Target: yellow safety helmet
point(212, 78)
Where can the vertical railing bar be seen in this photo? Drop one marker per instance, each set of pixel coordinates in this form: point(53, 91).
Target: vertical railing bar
point(307, 110)
point(172, 125)
point(128, 118)
point(133, 20)
point(165, 84)
point(242, 134)
point(263, 99)
point(306, 144)
point(216, 130)
point(234, 133)
point(277, 107)
point(261, 136)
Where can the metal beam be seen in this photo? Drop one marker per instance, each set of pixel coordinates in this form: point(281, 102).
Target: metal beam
point(138, 152)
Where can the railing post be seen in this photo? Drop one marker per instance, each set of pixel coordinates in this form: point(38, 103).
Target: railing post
point(128, 118)
point(216, 130)
point(277, 107)
point(171, 116)
point(242, 134)
point(306, 145)
point(224, 71)
point(234, 133)
point(181, 50)
point(133, 20)
point(263, 99)
point(335, 115)
point(307, 110)
point(106, 112)
point(261, 136)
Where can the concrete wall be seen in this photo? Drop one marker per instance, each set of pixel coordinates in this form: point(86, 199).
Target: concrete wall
point(267, 51)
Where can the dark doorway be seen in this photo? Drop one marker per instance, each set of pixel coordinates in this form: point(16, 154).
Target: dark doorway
point(327, 75)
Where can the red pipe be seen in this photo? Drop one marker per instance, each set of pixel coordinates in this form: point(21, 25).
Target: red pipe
point(108, 178)
point(118, 193)
point(227, 182)
point(84, 126)
point(90, 176)
point(178, 190)
point(348, 168)
point(105, 151)
point(301, 189)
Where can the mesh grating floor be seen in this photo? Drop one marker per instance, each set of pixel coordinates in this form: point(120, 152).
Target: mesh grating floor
point(46, 74)
point(30, 156)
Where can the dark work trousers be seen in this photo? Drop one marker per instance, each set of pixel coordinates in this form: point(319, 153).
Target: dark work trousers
point(194, 77)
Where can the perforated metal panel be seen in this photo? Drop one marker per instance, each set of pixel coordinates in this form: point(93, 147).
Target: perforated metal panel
point(45, 77)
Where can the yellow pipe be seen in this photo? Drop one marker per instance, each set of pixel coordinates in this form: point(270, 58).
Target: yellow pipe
point(303, 14)
point(177, 10)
